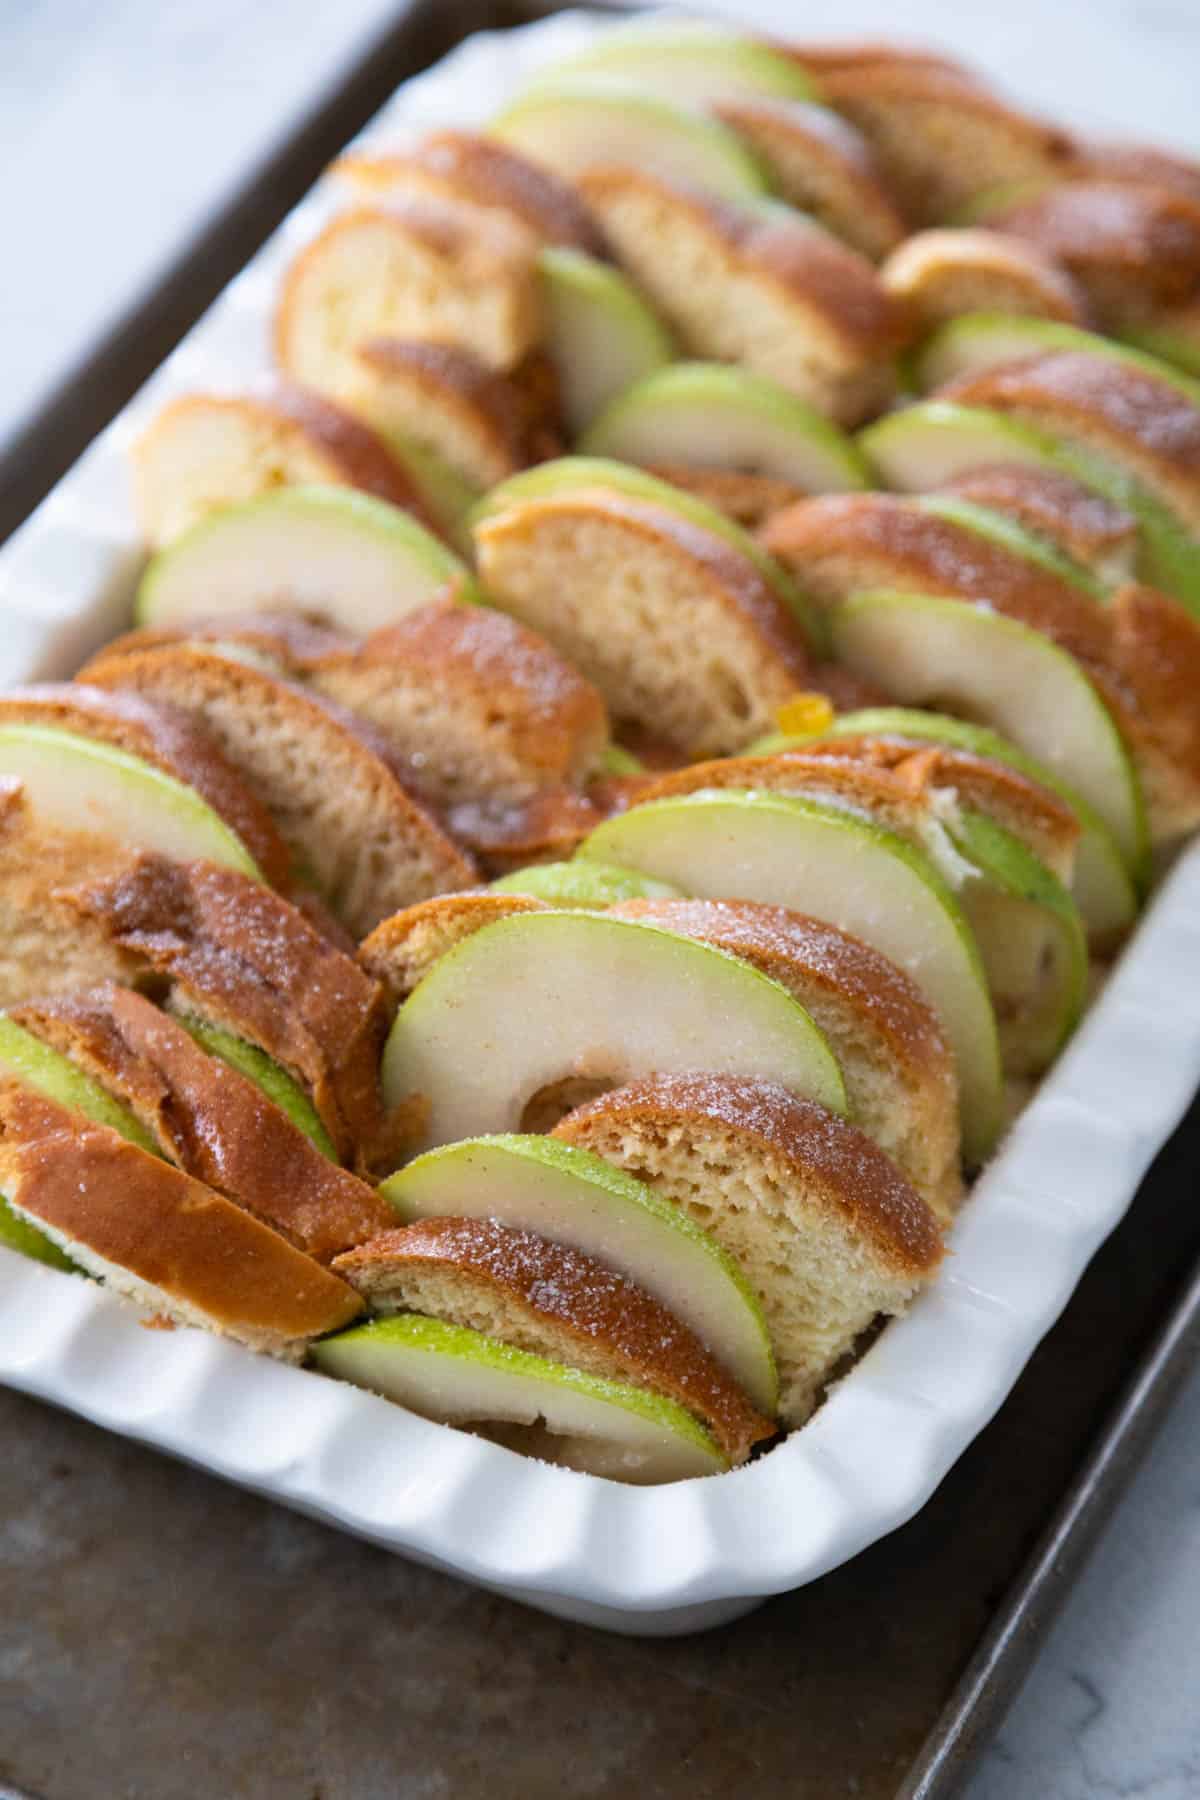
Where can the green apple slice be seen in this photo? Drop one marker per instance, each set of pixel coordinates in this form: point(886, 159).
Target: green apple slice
point(600, 334)
point(572, 125)
point(975, 342)
point(1101, 886)
point(79, 784)
point(584, 884)
point(1031, 938)
point(330, 550)
point(460, 1377)
point(933, 652)
point(25, 1058)
point(278, 1086)
point(930, 444)
point(837, 865)
point(688, 62)
point(546, 998)
point(999, 528)
point(616, 760)
point(567, 474)
point(574, 1197)
point(717, 416)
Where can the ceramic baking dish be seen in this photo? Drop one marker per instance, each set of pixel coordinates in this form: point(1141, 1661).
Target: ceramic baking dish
point(639, 1560)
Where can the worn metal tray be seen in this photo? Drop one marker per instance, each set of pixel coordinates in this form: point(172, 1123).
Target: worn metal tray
point(171, 1636)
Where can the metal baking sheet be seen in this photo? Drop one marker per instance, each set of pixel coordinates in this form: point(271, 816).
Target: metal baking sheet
point(289, 1654)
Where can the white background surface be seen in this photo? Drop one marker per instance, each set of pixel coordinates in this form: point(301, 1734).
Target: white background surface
point(121, 126)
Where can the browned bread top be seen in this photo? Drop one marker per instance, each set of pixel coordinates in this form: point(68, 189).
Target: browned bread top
point(508, 430)
point(1087, 526)
point(551, 1293)
point(245, 959)
point(461, 165)
point(403, 949)
point(167, 738)
point(855, 1178)
point(939, 273)
point(157, 1234)
point(1132, 246)
point(1142, 164)
point(748, 500)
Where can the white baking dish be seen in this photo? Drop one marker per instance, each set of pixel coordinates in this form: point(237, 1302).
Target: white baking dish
point(639, 1560)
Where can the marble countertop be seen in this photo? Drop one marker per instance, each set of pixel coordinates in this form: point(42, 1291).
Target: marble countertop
point(122, 126)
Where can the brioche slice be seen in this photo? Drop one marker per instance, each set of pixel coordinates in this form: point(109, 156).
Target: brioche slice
point(940, 138)
point(156, 1236)
point(328, 781)
point(401, 951)
point(554, 1301)
point(444, 399)
point(1141, 651)
point(1139, 420)
point(821, 164)
point(825, 1229)
point(1093, 531)
point(1131, 248)
point(211, 1121)
point(240, 958)
point(826, 58)
point(207, 451)
point(755, 284)
point(748, 500)
point(408, 269)
point(898, 1070)
point(460, 166)
point(678, 630)
point(1143, 164)
point(938, 274)
point(166, 738)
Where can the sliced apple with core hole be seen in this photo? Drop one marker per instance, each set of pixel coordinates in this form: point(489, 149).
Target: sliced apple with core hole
point(600, 333)
point(690, 62)
point(460, 1377)
point(569, 474)
point(931, 443)
point(550, 1004)
point(583, 884)
point(713, 415)
point(572, 125)
point(351, 558)
point(1103, 891)
point(983, 340)
point(950, 654)
point(574, 1197)
point(80, 784)
point(278, 1086)
point(821, 859)
point(25, 1058)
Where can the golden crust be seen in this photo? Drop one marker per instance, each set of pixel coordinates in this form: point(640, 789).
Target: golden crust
point(400, 951)
point(559, 1296)
point(169, 740)
point(166, 1230)
point(854, 1178)
point(248, 961)
point(461, 165)
point(749, 500)
point(1083, 524)
point(212, 1122)
point(1142, 164)
point(938, 274)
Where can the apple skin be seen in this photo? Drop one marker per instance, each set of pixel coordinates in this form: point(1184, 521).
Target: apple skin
point(977, 341)
point(266, 1074)
point(584, 884)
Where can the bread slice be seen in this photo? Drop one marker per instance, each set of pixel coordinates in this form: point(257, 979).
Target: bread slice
point(208, 451)
point(939, 137)
point(462, 167)
point(243, 959)
point(447, 401)
point(939, 274)
point(821, 164)
point(330, 785)
point(166, 738)
point(758, 285)
point(826, 1230)
point(1143, 164)
point(1141, 651)
point(158, 1237)
point(898, 1069)
point(557, 1302)
point(1139, 419)
point(1131, 248)
point(408, 268)
point(1093, 531)
point(748, 500)
point(401, 951)
point(211, 1121)
point(825, 58)
point(678, 630)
